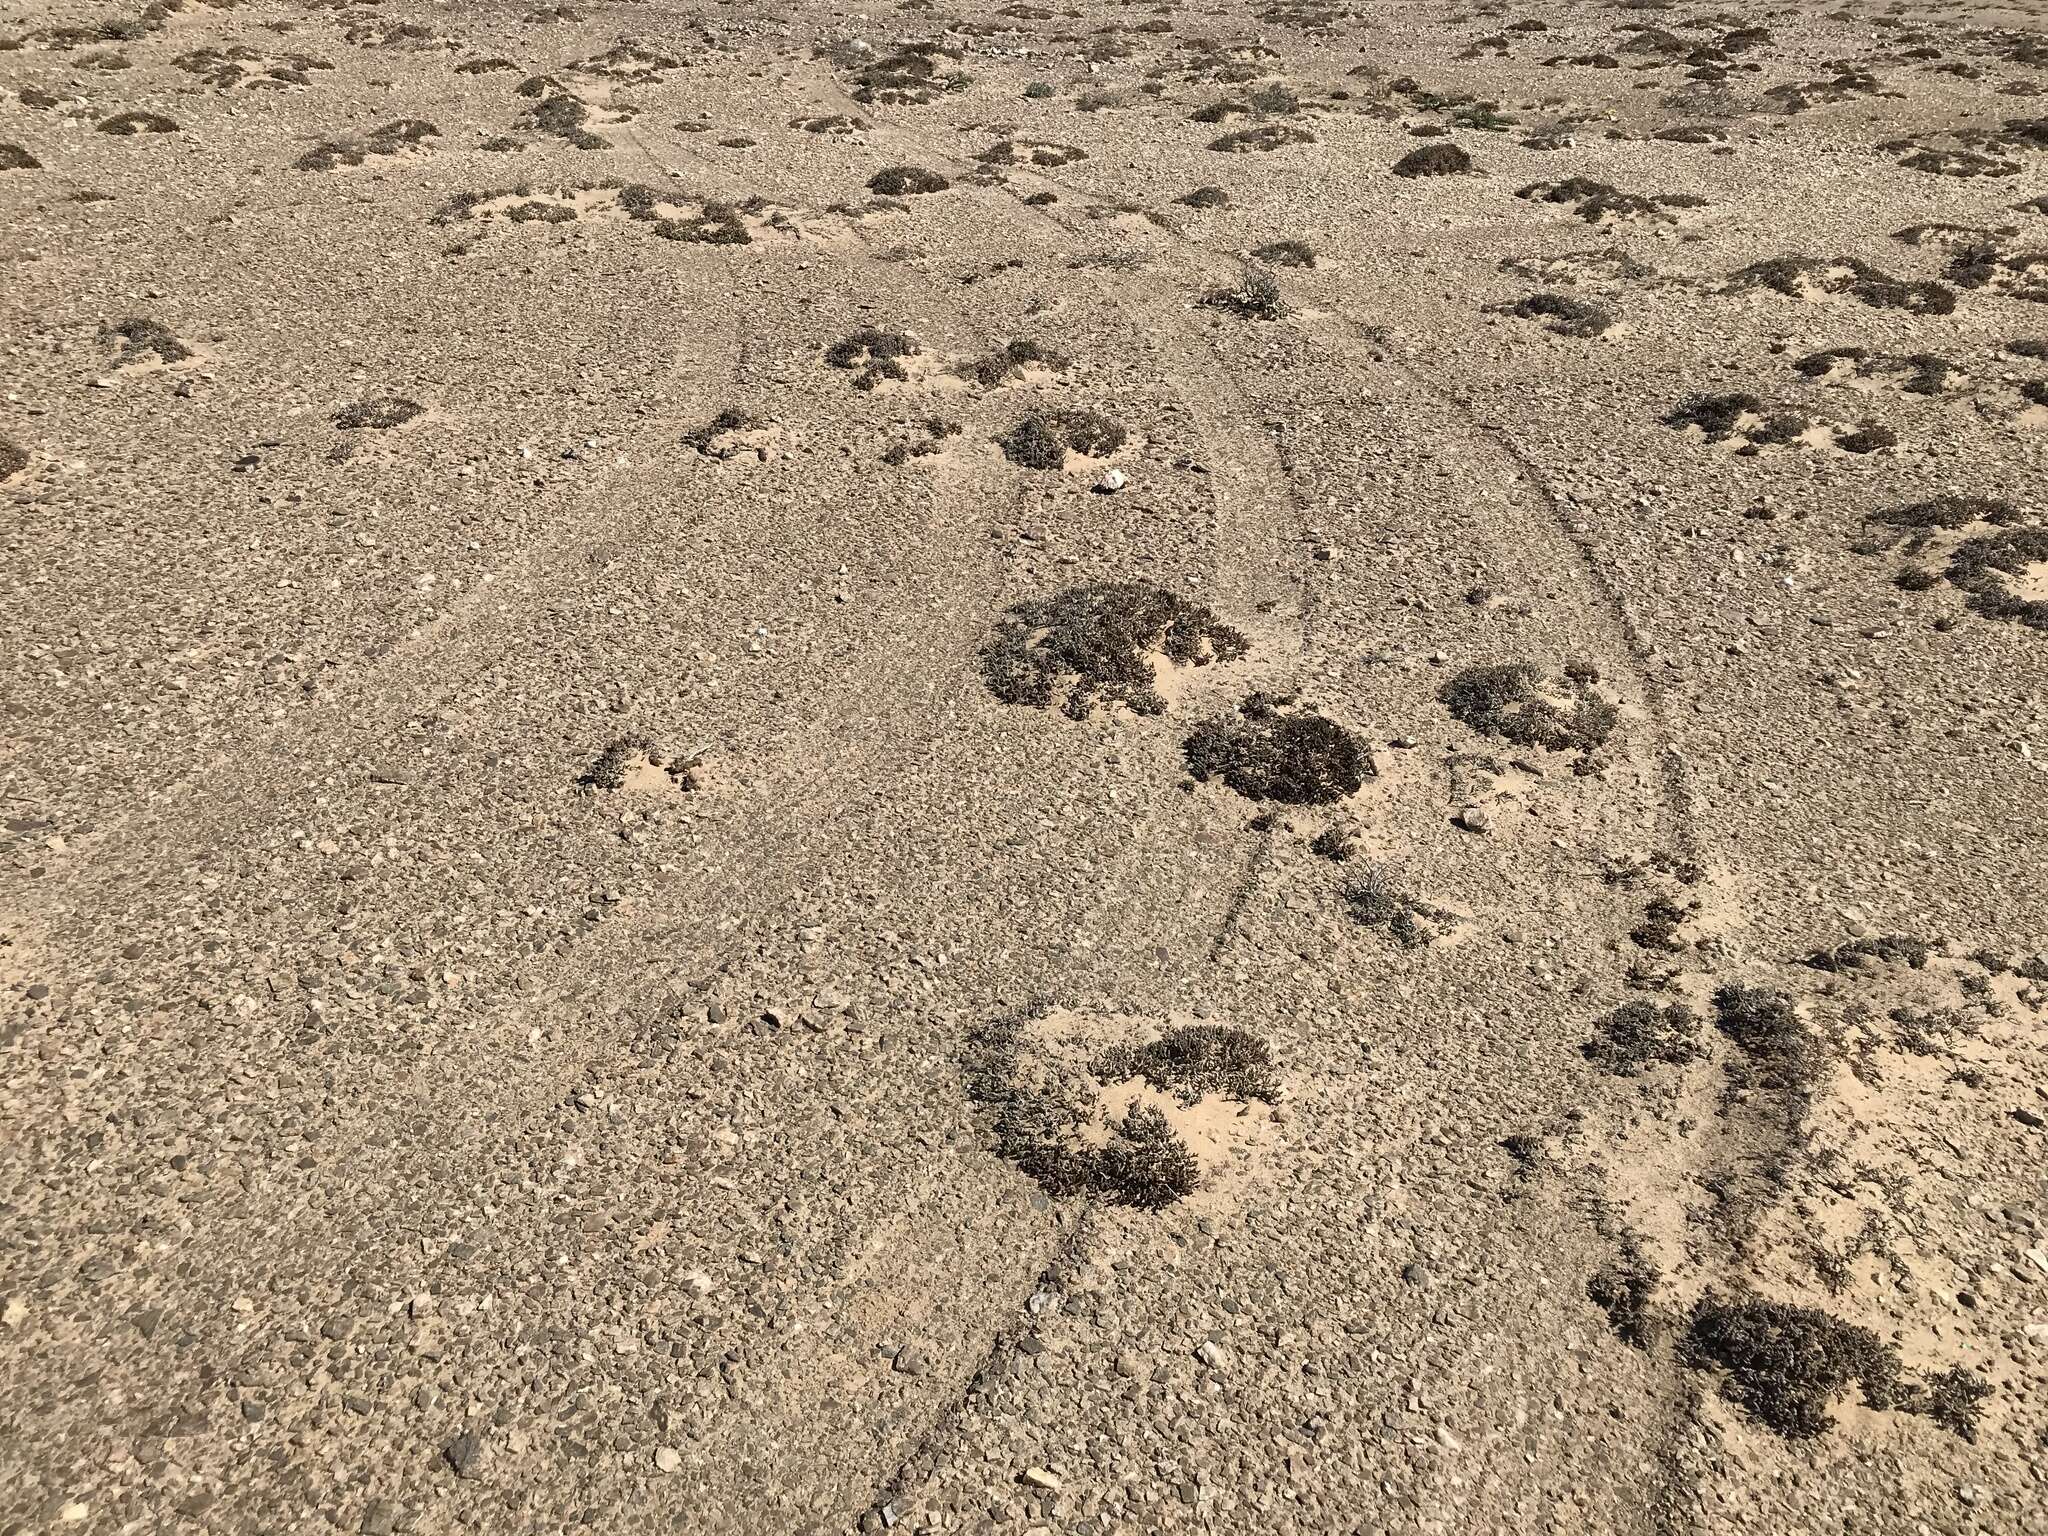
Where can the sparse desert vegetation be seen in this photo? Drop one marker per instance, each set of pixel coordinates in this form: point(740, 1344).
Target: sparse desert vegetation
point(1089, 767)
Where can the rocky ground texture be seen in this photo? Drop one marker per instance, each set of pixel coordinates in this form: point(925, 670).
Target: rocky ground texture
point(1070, 768)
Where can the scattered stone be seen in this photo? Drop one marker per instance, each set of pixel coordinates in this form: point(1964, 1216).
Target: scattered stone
point(464, 1454)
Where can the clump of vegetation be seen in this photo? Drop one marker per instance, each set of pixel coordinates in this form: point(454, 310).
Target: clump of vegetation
point(1890, 949)
point(1964, 164)
point(13, 458)
point(616, 762)
point(1784, 1365)
point(380, 413)
point(1095, 644)
point(834, 123)
point(1919, 521)
point(128, 124)
point(1594, 201)
point(1953, 1398)
point(1009, 362)
point(712, 224)
point(1263, 139)
point(1511, 700)
point(1798, 276)
point(2022, 275)
point(144, 339)
point(1337, 844)
point(391, 139)
point(1033, 1129)
point(1660, 928)
point(1623, 1288)
point(1046, 156)
point(1376, 901)
point(1433, 160)
point(537, 212)
point(14, 158)
point(873, 356)
point(1287, 253)
point(1145, 1164)
point(1869, 437)
point(1206, 197)
point(730, 420)
point(1565, 314)
point(1256, 296)
point(1639, 1034)
point(1932, 1031)
point(630, 63)
point(1720, 418)
point(225, 68)
point(911, 77)
point(936, 429)
point(1043, 439)
point(1038, 1127)
point(1267, 752)
point(561, 113)
point(1195, 1060)
point(906, 181)
point(1987, 566)
point(1767, 1029)
point(1924, 373)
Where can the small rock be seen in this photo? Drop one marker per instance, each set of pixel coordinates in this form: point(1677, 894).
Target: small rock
point(1213, 1355)
point(380, 1518)
point(911, 1361)
point(1112, 482)
point(1040, 1477)
point(463, 1453)
point(2029, 1119)
point(667, 1459)
point(1475, 818)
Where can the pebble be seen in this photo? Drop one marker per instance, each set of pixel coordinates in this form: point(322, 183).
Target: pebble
point(1112, 482)
point(667, 1459)
point(1475, 818)
point(1040, 1477)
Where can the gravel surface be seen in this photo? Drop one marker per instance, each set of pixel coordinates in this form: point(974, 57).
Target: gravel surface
point(748, 789)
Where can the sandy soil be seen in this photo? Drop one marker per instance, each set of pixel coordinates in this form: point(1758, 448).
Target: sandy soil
point(754, 785)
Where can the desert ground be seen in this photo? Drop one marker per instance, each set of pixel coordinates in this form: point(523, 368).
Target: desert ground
point(1125, 767)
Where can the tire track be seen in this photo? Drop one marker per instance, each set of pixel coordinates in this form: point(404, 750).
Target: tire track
point(1202, 268)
